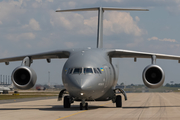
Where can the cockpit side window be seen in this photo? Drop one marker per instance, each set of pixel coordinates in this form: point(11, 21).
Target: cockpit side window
point(77, 71)
point(70, 70)
point(99, 70)
point(96, 71)
point(88, 71)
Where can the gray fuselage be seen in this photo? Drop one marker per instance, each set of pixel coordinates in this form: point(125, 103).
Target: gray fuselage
point(93, 85)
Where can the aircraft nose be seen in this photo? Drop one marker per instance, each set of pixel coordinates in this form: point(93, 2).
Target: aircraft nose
point(82, 84)
point(84, 87)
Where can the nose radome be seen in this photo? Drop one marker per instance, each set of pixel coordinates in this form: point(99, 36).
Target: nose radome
point(82, 85)
point(85, 87)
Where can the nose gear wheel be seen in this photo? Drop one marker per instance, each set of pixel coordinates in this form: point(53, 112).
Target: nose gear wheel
point(83, 105)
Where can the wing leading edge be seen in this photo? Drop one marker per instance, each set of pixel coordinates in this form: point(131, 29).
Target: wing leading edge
point(119, 53)
point(45, 55)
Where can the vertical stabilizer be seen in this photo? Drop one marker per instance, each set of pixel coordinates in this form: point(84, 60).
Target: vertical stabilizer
point(100, 28)
point(100, 19)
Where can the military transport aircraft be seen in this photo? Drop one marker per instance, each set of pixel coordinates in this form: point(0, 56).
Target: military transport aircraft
point(88, 74)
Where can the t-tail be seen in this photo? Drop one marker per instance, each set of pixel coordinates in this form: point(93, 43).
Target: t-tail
point(100, 19)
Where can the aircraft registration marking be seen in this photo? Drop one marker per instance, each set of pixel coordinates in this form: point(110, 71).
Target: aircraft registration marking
point(101, 84)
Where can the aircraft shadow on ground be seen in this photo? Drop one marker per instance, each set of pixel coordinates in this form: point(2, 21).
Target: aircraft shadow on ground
point(55, 108)
point(73, 108)
point(76, 107)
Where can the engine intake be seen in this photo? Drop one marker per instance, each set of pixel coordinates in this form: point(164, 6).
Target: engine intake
point(24, 77)
point(153, 76)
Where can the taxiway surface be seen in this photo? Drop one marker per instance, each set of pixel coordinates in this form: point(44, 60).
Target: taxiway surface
point(139, 106)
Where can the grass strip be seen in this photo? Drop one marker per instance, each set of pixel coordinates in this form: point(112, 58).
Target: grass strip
point(8, 97)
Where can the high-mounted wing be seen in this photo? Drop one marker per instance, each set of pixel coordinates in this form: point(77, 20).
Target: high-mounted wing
point(153, 75)
point(45, 55)
point(119, 53)
point(24, 77)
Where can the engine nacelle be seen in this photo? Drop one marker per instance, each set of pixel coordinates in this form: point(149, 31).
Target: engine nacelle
point(153, 76)
point(24, 77)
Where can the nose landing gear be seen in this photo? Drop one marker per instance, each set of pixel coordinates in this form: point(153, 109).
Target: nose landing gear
point(83, 105)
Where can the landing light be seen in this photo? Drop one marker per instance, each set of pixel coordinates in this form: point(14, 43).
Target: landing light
point(82, 93)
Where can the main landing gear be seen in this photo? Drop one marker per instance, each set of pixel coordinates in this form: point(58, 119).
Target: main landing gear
point(67, 99)
point(83, 105)
point(118, 101)
point(67, 102)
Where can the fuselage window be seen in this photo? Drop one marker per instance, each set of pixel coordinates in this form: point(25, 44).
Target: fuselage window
point(88, 70)
point(99, 70)
point(96, 71)
point(77, 71)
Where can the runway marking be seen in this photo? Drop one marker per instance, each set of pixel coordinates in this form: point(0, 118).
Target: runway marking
point(80, 112)
point(72, 115)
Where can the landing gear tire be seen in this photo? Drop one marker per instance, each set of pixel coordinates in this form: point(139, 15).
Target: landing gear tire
point(67, 103)
point(81, 106)
point(86, 106)
point(118, 101)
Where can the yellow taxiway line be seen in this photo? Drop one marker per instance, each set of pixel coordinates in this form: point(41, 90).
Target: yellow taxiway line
point(79, 112)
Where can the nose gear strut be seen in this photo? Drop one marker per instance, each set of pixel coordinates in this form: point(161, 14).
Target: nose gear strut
point(83, 104)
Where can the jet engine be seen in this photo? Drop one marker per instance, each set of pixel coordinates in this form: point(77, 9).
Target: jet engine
point(24, 77)
point(153, 76)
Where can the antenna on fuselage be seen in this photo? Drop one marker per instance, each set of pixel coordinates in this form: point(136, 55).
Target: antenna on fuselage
point(100, 19)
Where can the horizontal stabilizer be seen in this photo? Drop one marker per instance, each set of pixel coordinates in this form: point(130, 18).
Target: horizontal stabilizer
point(125, 9)
point(103, 8)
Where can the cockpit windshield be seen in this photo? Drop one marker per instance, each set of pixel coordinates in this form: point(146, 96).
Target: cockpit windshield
point(88, 70)
point(84, 70)
point(77, 71)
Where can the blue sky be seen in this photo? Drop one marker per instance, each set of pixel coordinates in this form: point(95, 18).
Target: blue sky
point(33, 26)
